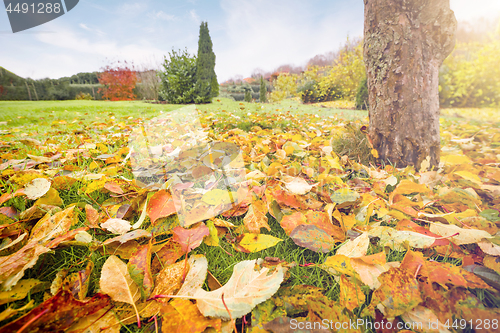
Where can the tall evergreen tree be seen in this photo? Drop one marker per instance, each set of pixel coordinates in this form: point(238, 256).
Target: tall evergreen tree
point(262, 91)
point(206, 80)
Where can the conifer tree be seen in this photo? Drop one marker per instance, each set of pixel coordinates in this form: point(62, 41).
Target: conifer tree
point(262, 90)
point(206, 80)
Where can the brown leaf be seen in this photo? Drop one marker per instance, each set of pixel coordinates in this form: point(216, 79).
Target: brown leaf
point(312, 238)
point(167, 255)
point(57, 313)
point(92, 216)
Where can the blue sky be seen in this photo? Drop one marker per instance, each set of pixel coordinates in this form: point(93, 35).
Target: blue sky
point(247, 34)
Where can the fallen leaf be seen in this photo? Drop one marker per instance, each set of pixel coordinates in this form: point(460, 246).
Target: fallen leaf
point(297, 185)
point(256, 217)
point(12, 267)
point(102, 321)
point(57, 313)
point(21, 290)
point(116, 282)
point(350, 295)
point(160, 205)
point(196, 275)
point(116, 226)
point(10, 312)
point(190, 238)
point(256, 242)
point(139, 268)
point(423, 319)
point(397, 294)
point(245, 289)
point(187, 318)
point(312, 238)
point(460, 236)
point(37, 188)
point(50, 227)
point(355, 248)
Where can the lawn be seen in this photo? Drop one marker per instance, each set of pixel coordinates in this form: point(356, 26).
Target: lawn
point(341, 229)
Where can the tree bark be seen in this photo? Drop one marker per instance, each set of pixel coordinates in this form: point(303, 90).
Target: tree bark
point(405, 43)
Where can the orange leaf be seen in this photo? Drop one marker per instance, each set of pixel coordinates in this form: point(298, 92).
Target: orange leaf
point(256, 217)
point(161, 204)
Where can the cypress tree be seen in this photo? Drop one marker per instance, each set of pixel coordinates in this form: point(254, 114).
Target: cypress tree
point(206, 80)
point(262, 90)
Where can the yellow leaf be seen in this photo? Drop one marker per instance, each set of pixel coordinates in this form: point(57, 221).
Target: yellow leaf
point(470, 177)
point(50, 198)
point(21, 290)
point(374, 152)
point(213, 237)
point(351, 295)
point(116, 282)
point(257, 242)
point(455, 159)
point(217, 196)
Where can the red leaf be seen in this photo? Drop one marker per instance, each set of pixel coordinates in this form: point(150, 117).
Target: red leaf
point(57, 313)
point(190, 238)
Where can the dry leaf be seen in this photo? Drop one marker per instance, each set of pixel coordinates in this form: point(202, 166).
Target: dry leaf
point(460, 235)
point(297, 185)
point(355, 248)
point(37, 188)
point(245, 289)
point(256, 218)
point(116, 282)
point(116, 226)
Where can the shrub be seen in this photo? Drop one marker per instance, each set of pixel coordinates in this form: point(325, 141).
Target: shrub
point(178, 78)
point(470, 76)
point(82, 96)
point(362, 95)
point(248, 96)
point(343, 77)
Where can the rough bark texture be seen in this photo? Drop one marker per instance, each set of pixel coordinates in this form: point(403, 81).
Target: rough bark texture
point(405, 43)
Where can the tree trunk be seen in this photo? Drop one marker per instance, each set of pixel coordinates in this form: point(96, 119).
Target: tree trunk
point(405, 43)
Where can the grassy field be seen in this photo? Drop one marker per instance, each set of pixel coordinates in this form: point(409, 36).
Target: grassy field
point(66, 125)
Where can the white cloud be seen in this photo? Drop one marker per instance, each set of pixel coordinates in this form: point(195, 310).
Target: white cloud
point(132, 7)
point(163, 16)
point(268, 34)
point(194, 16)
point(96, 31)
point(84, 26)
